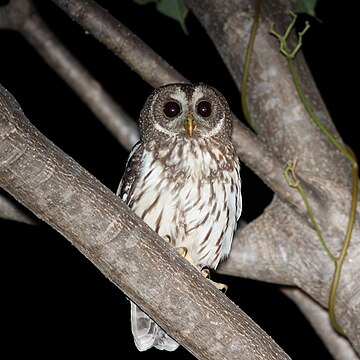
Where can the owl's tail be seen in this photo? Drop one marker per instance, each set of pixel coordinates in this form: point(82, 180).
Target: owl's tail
point(147, 333)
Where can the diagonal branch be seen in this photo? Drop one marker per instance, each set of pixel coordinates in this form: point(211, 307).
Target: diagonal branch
point(124, 248)
point(337, 345)
point(250, 148)
point(22, 16)
point(119, 39)
point(12, 211)
point(144, 61)
point(156, 71)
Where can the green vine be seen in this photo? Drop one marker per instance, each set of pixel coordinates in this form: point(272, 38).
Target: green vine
point(247, 66)
point(292, 180)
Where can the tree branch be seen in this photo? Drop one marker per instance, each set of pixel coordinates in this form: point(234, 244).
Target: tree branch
point(226, 30)
point(12, 211)
point(125, 249)
point(279, 116)
point(337, 345)
point(156, 71)
point(110, 32)
point(22, 16)
point(280, 247)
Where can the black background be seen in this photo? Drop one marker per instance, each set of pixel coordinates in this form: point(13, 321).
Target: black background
point(54, 301)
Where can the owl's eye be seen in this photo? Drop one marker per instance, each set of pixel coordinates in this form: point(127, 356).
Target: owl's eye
point(204, 108)
point(172, 109)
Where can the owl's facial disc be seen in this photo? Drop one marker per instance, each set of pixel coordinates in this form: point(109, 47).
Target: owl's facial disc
point(190, 124)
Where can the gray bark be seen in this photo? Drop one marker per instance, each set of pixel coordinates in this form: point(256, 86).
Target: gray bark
point(149, 271)
point(280, 246)
point(293, 254)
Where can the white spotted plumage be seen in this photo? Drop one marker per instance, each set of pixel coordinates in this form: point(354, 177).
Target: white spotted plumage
point(187, 188)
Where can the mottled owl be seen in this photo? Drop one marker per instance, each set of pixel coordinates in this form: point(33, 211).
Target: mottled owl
point(183, 180)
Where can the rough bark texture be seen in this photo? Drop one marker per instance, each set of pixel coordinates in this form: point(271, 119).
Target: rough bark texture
point(281, 245)
point(156, 71)
point(294, 255)
point(337, 345)
point(102, 227)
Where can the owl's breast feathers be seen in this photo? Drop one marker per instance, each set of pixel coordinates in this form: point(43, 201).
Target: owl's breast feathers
point(190, 192)
point(196, 158)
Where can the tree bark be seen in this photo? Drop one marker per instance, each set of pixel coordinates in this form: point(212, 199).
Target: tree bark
point(124, 248)
point(280, 246)
point(293, 254)
point(337, 345)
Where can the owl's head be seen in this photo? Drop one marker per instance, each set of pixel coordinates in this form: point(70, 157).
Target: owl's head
point(185, 111)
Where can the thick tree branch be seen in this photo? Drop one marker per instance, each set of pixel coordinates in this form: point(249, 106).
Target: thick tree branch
point(228, 25)
point(106, 29)
point(337, 345)
point(152, 68)
point(289, 253)
point(102, 227)
point(280, 118)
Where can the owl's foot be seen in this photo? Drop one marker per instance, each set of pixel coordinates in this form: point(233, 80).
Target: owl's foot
point(205, 273)
point(222, 287)
point(182, 250)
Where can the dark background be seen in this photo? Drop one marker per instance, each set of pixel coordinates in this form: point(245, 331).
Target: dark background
point(54, 301)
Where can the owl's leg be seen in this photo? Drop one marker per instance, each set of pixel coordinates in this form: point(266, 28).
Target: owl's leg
point(183, 251)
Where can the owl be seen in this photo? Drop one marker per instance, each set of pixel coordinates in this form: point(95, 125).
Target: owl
point(183, 180)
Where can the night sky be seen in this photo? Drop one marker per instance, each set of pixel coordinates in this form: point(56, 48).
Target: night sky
point(55, 300)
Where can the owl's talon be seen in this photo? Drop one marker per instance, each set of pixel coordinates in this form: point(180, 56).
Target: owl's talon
point(222, 287)
point(205, 273)
point(182, 251)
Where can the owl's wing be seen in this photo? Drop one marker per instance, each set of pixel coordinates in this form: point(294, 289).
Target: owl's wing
point(147, 333)
point(128, 181)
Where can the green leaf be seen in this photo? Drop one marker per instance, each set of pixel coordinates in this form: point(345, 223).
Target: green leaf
point(305, 7)
point(174, 9)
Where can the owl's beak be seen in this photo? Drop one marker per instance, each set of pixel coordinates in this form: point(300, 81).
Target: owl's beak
point(189, 124)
